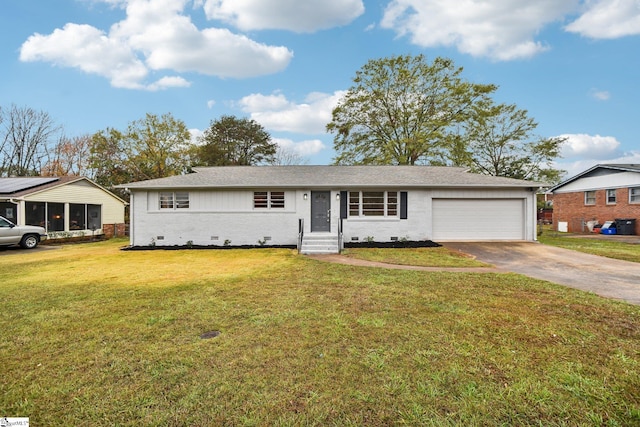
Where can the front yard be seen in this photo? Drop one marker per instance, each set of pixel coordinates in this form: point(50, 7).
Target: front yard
point(590, 245)
point(91, 335)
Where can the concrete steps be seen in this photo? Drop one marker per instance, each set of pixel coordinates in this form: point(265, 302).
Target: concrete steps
point(320, 243)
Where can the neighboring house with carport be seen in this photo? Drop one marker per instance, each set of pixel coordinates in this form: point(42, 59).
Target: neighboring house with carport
point(66, 206)
point(318, 208)
point(601, 193)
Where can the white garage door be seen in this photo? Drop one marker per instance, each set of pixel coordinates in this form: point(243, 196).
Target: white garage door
point(478, 219)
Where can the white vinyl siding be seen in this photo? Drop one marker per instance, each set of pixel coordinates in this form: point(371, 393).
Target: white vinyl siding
point(478, 219)
point(83, 192)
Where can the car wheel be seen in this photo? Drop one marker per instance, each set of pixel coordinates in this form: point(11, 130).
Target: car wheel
point(29, 241)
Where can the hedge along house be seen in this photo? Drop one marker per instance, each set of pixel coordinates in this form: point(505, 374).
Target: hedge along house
point(599, 194)
point(318, 208)
point(65, 206)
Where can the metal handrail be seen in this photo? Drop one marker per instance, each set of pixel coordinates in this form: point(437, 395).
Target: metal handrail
point(340, 240)
point(300, 233)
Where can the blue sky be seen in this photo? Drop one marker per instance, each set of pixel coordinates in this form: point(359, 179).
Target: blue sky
point(92, 64)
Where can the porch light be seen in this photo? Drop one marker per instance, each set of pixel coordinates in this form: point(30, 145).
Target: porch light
point(337, 196)
point(305, 196)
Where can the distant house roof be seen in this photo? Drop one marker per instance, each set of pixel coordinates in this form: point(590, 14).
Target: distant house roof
point(328, 177)
point(23, 186)
point(617, 167)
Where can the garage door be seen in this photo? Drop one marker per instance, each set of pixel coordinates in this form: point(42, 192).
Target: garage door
point(478, 219)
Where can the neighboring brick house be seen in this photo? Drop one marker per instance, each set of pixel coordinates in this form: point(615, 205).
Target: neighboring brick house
point(601, 193)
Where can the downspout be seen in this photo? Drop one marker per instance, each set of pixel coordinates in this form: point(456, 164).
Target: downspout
point(19, 212)
point(131, 227)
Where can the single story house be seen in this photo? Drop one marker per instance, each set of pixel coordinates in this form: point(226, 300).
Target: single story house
point(320, 207)
point(602, 193)
point(65, 206)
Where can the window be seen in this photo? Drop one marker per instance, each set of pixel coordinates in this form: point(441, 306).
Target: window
point(55, 216)
point(611, 197)
point(277, 200)
point(589, 197)
point(634, 195)
point(94, 217)
point(85, 217)
point(268, 199)
point(182, 200)
point(373, 203)
point(354, 203)
point(179, 200)
point(77, 217)
point(34, 213)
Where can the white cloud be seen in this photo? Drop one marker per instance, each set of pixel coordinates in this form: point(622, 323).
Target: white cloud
point(500, 29)
point(276, 112)
point(302, 148)
point(211, 103)
point(303, 16)
point(154, 36)
point(608, 19)
point(506, 29)
point(601, 95)
point(89, 49)
point(195, 135)
point(589, 146)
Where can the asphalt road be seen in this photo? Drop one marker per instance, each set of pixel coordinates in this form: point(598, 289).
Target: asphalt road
point(603, 276)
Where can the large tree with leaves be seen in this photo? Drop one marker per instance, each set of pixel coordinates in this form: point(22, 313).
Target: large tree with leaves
point(401, 109)
point(233, 141)
point(152, 147)
point(500, 141)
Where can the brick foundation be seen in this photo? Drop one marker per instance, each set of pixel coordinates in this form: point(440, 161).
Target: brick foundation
point(114, 230)
point(570, 208)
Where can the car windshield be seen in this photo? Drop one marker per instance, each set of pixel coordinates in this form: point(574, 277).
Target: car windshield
point(5, 223)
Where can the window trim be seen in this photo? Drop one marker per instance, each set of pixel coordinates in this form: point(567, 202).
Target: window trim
point(391, 204)
point(173, 200)
point(615, 196)
point(587, 198)
point(267, 200)
point(635, 196)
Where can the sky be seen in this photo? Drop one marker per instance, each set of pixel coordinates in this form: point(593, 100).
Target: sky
point(574, 65)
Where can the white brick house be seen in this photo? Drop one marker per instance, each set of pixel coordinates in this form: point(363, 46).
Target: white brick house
point(328, 205)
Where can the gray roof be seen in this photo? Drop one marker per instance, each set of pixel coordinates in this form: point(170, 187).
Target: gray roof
point(611, 166)
point(334, 177)
point(22, 186)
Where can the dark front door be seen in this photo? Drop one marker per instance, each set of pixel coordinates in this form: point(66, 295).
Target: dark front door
point(320, 211)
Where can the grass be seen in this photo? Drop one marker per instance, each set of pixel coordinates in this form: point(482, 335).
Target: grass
point(90, 335)
point(424, 257)
point(607, 248)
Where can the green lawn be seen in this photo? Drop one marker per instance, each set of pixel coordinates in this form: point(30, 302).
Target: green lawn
point(91, 335)
point(606, 248)
point(425, 257)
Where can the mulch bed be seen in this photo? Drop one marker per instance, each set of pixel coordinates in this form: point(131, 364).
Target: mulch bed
point(397, 244)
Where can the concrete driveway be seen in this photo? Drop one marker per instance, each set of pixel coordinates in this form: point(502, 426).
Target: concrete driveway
point(603, 276)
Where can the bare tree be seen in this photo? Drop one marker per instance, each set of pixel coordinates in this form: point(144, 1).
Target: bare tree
point(25, 137)
point(287, 156)
point(70, 156)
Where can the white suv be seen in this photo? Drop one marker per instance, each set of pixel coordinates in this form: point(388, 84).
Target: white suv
point(27, 236)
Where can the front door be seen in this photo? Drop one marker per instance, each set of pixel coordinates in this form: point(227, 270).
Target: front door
point(320, 211)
